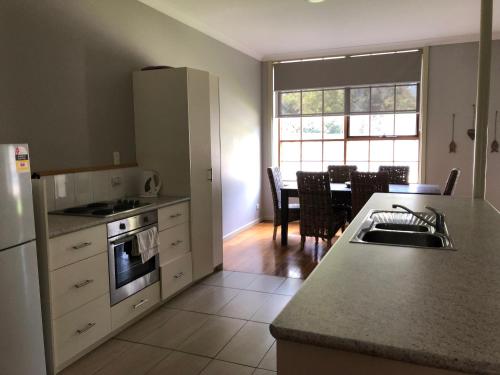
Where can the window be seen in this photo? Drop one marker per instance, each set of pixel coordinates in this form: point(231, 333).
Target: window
point(365, 126)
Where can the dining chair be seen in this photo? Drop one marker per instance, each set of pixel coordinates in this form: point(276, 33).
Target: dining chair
point(318, 216)
point(340, 174)
point(276, 183)
point(364, 184)
point(451, 182)
point(398, 174)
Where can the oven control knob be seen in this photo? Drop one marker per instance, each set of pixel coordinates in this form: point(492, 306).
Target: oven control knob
point(123, 226)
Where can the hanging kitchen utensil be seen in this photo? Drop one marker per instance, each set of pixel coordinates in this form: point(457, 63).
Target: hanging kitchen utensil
point(494, 144)
point(453, 145)
point(472, 131)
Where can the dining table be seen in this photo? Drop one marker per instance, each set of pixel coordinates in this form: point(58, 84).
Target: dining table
point(290, 189)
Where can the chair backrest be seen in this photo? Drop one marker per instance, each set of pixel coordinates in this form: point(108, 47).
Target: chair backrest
point(341, 173)
point(315, 200)
point(398, 174)
point(364, 184)
point(452, 181)
point(276, 183)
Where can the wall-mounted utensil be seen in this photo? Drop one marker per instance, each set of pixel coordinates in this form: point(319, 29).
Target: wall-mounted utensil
point(472, 131)
point(453, 145)
point(494, 144)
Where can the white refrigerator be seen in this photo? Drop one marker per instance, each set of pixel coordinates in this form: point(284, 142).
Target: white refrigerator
point(21, 333)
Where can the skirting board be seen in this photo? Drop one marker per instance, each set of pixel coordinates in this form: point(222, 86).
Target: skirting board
point(241, 229)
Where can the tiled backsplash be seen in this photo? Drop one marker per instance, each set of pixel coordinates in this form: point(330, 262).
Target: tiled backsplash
point(68, 190)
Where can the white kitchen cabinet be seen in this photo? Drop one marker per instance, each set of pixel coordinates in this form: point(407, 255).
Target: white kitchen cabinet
point(174, 242)
point(173, 215)
point(77, 330)
point(176, 275)
point(177, 134)
point(75, 285)
point(73, 247)
point(134, 305)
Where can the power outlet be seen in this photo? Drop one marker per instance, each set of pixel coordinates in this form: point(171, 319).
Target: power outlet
point(116, 181)
point(257, 206)
point(116, 158)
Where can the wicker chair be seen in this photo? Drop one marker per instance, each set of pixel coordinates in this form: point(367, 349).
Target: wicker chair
point(364, 184)
point(341, 173)
point(318, 217)
point(452, 181)
point(276, 183)
point(397, 174)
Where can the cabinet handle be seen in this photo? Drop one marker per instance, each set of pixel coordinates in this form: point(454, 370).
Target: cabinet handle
point(178, 275)
point(178, 242)
point(175, 215)
point(142, 302)
point(83, 283)
point(87, 327)
point(209, 174)
point(82, 245)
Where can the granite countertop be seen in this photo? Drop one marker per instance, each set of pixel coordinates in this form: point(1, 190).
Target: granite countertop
point(63, 224)
point(437, 308)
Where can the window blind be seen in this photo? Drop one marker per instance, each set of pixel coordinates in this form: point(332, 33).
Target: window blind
point(350, 71)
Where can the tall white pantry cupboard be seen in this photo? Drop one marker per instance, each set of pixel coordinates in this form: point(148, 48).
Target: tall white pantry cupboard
point(177, 135)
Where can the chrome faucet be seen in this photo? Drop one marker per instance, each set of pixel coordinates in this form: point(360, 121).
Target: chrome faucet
point(439, 225)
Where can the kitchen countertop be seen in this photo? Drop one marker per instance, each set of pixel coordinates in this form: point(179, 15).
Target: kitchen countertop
point(63, 224)
point(437, 308)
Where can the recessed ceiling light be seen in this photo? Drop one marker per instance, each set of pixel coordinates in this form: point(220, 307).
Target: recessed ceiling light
point(315, 1)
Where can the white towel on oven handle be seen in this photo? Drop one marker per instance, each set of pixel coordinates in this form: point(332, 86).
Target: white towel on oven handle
point(148, 242)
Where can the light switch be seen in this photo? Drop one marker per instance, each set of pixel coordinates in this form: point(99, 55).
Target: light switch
point(116, 157)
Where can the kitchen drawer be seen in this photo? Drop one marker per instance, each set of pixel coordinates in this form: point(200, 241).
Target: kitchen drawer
point(134, 305)
point(173, 215)
point(81, 328)
point(71, 248)
point(175, 275)
point(75, 285)
point(174, 242)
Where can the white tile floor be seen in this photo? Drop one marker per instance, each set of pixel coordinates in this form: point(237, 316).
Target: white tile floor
point(217, 327)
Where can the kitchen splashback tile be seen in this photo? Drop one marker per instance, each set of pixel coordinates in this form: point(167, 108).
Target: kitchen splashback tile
point(116, 183)
point(50, 192)
point(64, 191)
point(83, 188)
point(131, 181)
point(101, 185)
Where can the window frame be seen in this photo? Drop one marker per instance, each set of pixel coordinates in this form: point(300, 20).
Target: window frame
point(347, 137)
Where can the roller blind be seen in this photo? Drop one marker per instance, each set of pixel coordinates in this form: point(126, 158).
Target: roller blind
point(349, 71)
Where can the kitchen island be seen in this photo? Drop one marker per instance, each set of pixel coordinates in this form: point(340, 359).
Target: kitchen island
point(380, 309)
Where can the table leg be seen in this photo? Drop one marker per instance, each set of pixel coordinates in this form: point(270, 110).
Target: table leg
point(284, 217)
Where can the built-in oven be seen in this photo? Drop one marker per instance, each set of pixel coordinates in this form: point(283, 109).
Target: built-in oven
point(127, 273)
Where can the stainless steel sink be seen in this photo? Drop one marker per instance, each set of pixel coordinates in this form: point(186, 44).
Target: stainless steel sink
point(403, 238)
point(402, 227)
point(399, 228)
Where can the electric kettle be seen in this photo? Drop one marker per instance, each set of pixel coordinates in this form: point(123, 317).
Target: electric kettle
point(151, 183)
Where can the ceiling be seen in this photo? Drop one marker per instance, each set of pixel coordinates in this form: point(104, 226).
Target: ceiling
point(287, 29)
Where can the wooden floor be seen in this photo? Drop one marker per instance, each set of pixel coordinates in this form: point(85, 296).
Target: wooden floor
point(255, 251)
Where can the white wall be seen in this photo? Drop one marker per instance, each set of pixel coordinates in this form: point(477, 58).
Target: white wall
point(452, 89)
point(67, 91)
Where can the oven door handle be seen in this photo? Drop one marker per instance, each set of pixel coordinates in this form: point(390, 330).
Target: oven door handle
point(117, 240)
point(123, 240)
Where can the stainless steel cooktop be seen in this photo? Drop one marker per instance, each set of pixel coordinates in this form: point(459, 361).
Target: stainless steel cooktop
point(103, 209)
